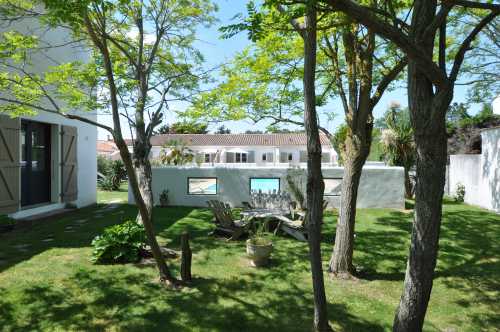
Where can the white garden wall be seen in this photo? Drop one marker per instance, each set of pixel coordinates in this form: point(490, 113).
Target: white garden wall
point(380, 187)
point(480, 174)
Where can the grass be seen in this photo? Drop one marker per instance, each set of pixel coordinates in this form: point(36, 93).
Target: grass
point(119, 196)
point(53, 286)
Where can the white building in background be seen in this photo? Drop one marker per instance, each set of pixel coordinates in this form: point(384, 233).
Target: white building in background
point(46, 161)
point(266, 150)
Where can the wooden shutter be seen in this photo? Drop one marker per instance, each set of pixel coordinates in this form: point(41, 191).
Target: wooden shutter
point(69, 165)
point(269, 157)
point(9, 164)
point(303, 156)
point(325, 157)
point(230, 157)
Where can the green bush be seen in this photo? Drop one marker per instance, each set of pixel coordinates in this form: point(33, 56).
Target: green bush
point(459, 193)
point(106, 184)
point(103, 165)
point(119, 243)
point(114, 173)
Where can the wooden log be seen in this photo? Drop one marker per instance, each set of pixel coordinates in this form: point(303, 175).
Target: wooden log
point(185, 258)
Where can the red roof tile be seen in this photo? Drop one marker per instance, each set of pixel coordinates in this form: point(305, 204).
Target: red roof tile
point(238, 139)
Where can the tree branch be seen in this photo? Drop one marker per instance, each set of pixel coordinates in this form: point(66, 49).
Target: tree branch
point(459, 57)
point(66, 115)
point(386, 80)
point(474, 4)
point(295, 24)
point(365, 16)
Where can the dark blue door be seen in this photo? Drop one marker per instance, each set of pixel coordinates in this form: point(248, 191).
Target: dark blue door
point(35, 163)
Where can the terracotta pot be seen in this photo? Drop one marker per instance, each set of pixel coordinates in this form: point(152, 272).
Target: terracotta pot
point(259, 253)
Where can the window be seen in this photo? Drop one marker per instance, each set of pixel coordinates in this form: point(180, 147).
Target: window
point(333, 186)
point(264, 157)
point(207, 157)
point(241, 157)
point(202, 186)
point(290, 157)
point(265, 185)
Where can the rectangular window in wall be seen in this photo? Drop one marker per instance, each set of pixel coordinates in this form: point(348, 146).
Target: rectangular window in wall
point(333, 186)
point(202, 186)
point(265, 185)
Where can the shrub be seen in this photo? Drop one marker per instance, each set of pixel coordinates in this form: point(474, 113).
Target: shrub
point(118, 173)
point(119, 243)
point(106, 184)
point(103, 165)
point(114, 173)
point(459, 193)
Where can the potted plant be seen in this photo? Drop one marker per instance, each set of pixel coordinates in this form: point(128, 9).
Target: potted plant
point(164, 198)
point(259, 248)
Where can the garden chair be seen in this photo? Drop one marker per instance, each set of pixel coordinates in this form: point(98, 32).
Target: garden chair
point(224, 221)
point(296, 227)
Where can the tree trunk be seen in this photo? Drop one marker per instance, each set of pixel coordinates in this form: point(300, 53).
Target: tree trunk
point(431, 166)
point(428, 110)
point(315, 185)
point(144, 178)
point(355, 157)
point(186, 258)
point(146, 215)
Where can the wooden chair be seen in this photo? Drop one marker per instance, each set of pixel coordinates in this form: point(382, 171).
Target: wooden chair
point(225, 222)
point(297, 227)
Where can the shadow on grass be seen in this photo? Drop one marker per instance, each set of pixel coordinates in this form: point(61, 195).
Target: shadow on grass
point(210, 305)
point(74, 230)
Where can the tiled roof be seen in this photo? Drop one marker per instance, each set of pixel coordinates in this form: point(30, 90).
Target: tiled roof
point(238, 139)
point(106, 146)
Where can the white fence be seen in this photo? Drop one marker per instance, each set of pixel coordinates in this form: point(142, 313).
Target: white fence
point(380, 187)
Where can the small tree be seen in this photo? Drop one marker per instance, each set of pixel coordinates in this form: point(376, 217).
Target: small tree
point(399, 145)
point(141, 58)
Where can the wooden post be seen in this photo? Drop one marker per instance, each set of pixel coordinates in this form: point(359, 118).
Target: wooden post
point(185, 258)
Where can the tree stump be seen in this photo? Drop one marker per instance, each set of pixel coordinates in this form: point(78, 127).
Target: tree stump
point(185, 258)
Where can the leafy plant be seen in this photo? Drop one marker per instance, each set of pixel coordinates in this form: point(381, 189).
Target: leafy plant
point(399, 144)
point(164, 198)
point(106, 184)
point(119, 243)
point(114, 173)
point(118, 173)
point(259, 237)
point(294, 181)
point(177, 154)
point(338, 142)
point(103, 165)
point(459, 193)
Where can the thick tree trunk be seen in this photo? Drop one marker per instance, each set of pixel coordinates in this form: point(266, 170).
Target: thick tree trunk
point(428, 110)
point(431, 165)
point(315, 185)
point(356, 154)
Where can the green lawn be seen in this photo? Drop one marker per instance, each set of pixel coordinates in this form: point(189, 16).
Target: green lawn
point(53, 286)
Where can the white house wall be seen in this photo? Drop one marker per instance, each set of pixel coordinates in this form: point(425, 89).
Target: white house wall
point(87, 134)
point(380, 187)
point(258, 151)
